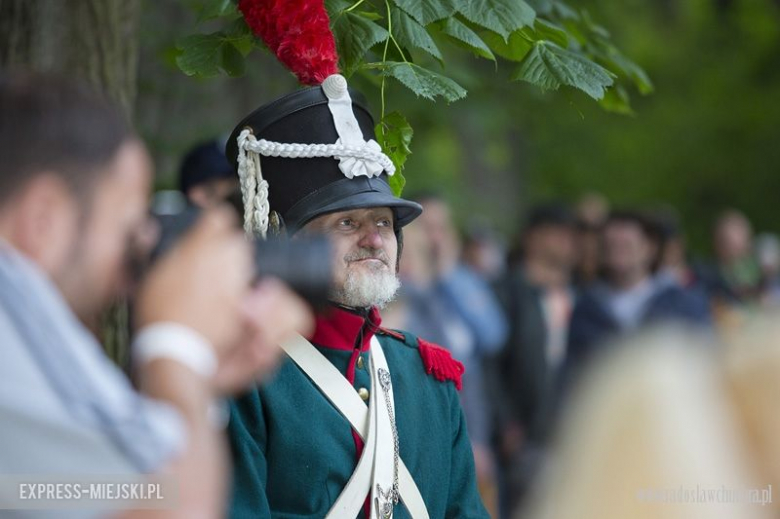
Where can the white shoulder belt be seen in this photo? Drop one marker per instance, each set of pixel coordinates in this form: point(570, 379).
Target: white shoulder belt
point(375, 424)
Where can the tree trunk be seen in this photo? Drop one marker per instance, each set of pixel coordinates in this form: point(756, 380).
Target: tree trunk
point(96, 41)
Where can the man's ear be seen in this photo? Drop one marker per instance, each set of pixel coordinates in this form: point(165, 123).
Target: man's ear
point(45, 221)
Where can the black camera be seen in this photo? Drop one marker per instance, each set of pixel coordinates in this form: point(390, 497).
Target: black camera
point(303, 263)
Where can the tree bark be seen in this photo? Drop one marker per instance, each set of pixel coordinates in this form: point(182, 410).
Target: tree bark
point(95, 40)
point(92, 40)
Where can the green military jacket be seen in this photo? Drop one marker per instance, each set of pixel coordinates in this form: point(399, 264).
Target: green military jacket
point(293, 452)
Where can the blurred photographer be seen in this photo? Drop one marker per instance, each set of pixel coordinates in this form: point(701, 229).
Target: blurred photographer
point(73, 220)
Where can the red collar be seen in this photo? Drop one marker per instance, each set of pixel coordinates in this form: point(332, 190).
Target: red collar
point(340, 328)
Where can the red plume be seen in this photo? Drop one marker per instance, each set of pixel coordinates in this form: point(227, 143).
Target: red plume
point(298, 32)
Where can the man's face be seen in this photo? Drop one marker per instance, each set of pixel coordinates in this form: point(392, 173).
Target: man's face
point(365, 253)
point(626, 248)
point(733, 238)
point(554, 244)
point(437, 222)
point(114, 227)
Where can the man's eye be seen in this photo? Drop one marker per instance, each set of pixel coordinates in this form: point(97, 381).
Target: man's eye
point(346, 222)
point(384, 223)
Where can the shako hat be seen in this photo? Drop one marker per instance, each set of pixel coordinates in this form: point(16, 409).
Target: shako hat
point(310, 153)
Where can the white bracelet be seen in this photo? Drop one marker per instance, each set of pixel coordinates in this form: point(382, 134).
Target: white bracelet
point(176, 342)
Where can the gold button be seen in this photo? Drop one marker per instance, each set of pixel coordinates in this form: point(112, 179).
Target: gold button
point(360, 363)
point(363, 392)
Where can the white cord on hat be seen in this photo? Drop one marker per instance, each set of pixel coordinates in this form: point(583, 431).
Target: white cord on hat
point(255, 189)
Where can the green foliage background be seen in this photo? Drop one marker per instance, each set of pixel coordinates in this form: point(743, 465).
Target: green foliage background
point(705, 140)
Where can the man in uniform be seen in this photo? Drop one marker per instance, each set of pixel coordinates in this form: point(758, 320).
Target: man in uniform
point(360, 421)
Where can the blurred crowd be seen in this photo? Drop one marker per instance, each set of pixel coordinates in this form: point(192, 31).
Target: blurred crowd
point(526, 319)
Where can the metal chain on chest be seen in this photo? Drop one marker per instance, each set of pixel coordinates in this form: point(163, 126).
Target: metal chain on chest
point(384, 381)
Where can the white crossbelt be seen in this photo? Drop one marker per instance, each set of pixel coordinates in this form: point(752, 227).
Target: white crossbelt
point(345, 399)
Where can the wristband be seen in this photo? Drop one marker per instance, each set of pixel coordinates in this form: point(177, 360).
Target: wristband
point(177, 342)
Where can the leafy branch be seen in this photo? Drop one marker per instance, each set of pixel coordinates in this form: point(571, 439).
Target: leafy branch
point(550, 44)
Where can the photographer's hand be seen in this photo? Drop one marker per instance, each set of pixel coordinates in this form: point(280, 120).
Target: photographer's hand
point(272, 312)
point(201, 282)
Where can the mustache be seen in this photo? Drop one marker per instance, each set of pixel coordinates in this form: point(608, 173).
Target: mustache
point(364, 253)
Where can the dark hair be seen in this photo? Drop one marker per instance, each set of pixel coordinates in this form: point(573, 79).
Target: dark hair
point(52, 124)
point(637, 218)
point(549, 214)
point(204, 163)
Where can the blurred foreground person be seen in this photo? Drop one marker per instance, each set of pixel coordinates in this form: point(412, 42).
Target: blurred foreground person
point(629, 297)
point(669, 427)
point(206, 177)
point(73, 221)
point(538, 297)
point(361, 421)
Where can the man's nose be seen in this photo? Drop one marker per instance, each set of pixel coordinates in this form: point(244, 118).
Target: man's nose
point(371, 239)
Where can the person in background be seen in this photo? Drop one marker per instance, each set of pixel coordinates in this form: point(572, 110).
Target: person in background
point(538, 298)
point(484, 252)
point(672, 257)
point(464, 315)
point(734, 278)
point(629, 296)
point(74, 195)
point(768, 257)
point(206, 177)
point(592, 210)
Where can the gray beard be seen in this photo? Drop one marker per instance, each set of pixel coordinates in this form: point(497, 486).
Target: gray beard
point(363, 290)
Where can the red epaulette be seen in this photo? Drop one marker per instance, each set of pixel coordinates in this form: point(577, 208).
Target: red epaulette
point(440, 363)
point(392, 333)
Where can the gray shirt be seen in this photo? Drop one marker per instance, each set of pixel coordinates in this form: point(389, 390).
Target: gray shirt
point(65, 408)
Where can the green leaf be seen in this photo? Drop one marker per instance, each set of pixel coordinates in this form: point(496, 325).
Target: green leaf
point(410, 34)
point(465, 37)
point(617, 60)
point(616, 100)
point(543, 7)
point(550, 66)
point(211, 9)
point(370, 15)
point(394, 135)
point(240, 36)
point(545, 30)
point(232, 61)
point(426, 11)
point(500, 16)
point(423, 82)
point(169, 56)
point(201, 54)
point(564, 11)
point(335, 7)
point(516, 48)
point(354, 36)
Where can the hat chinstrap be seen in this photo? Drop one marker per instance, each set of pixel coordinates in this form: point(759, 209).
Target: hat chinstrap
point(354, 158)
